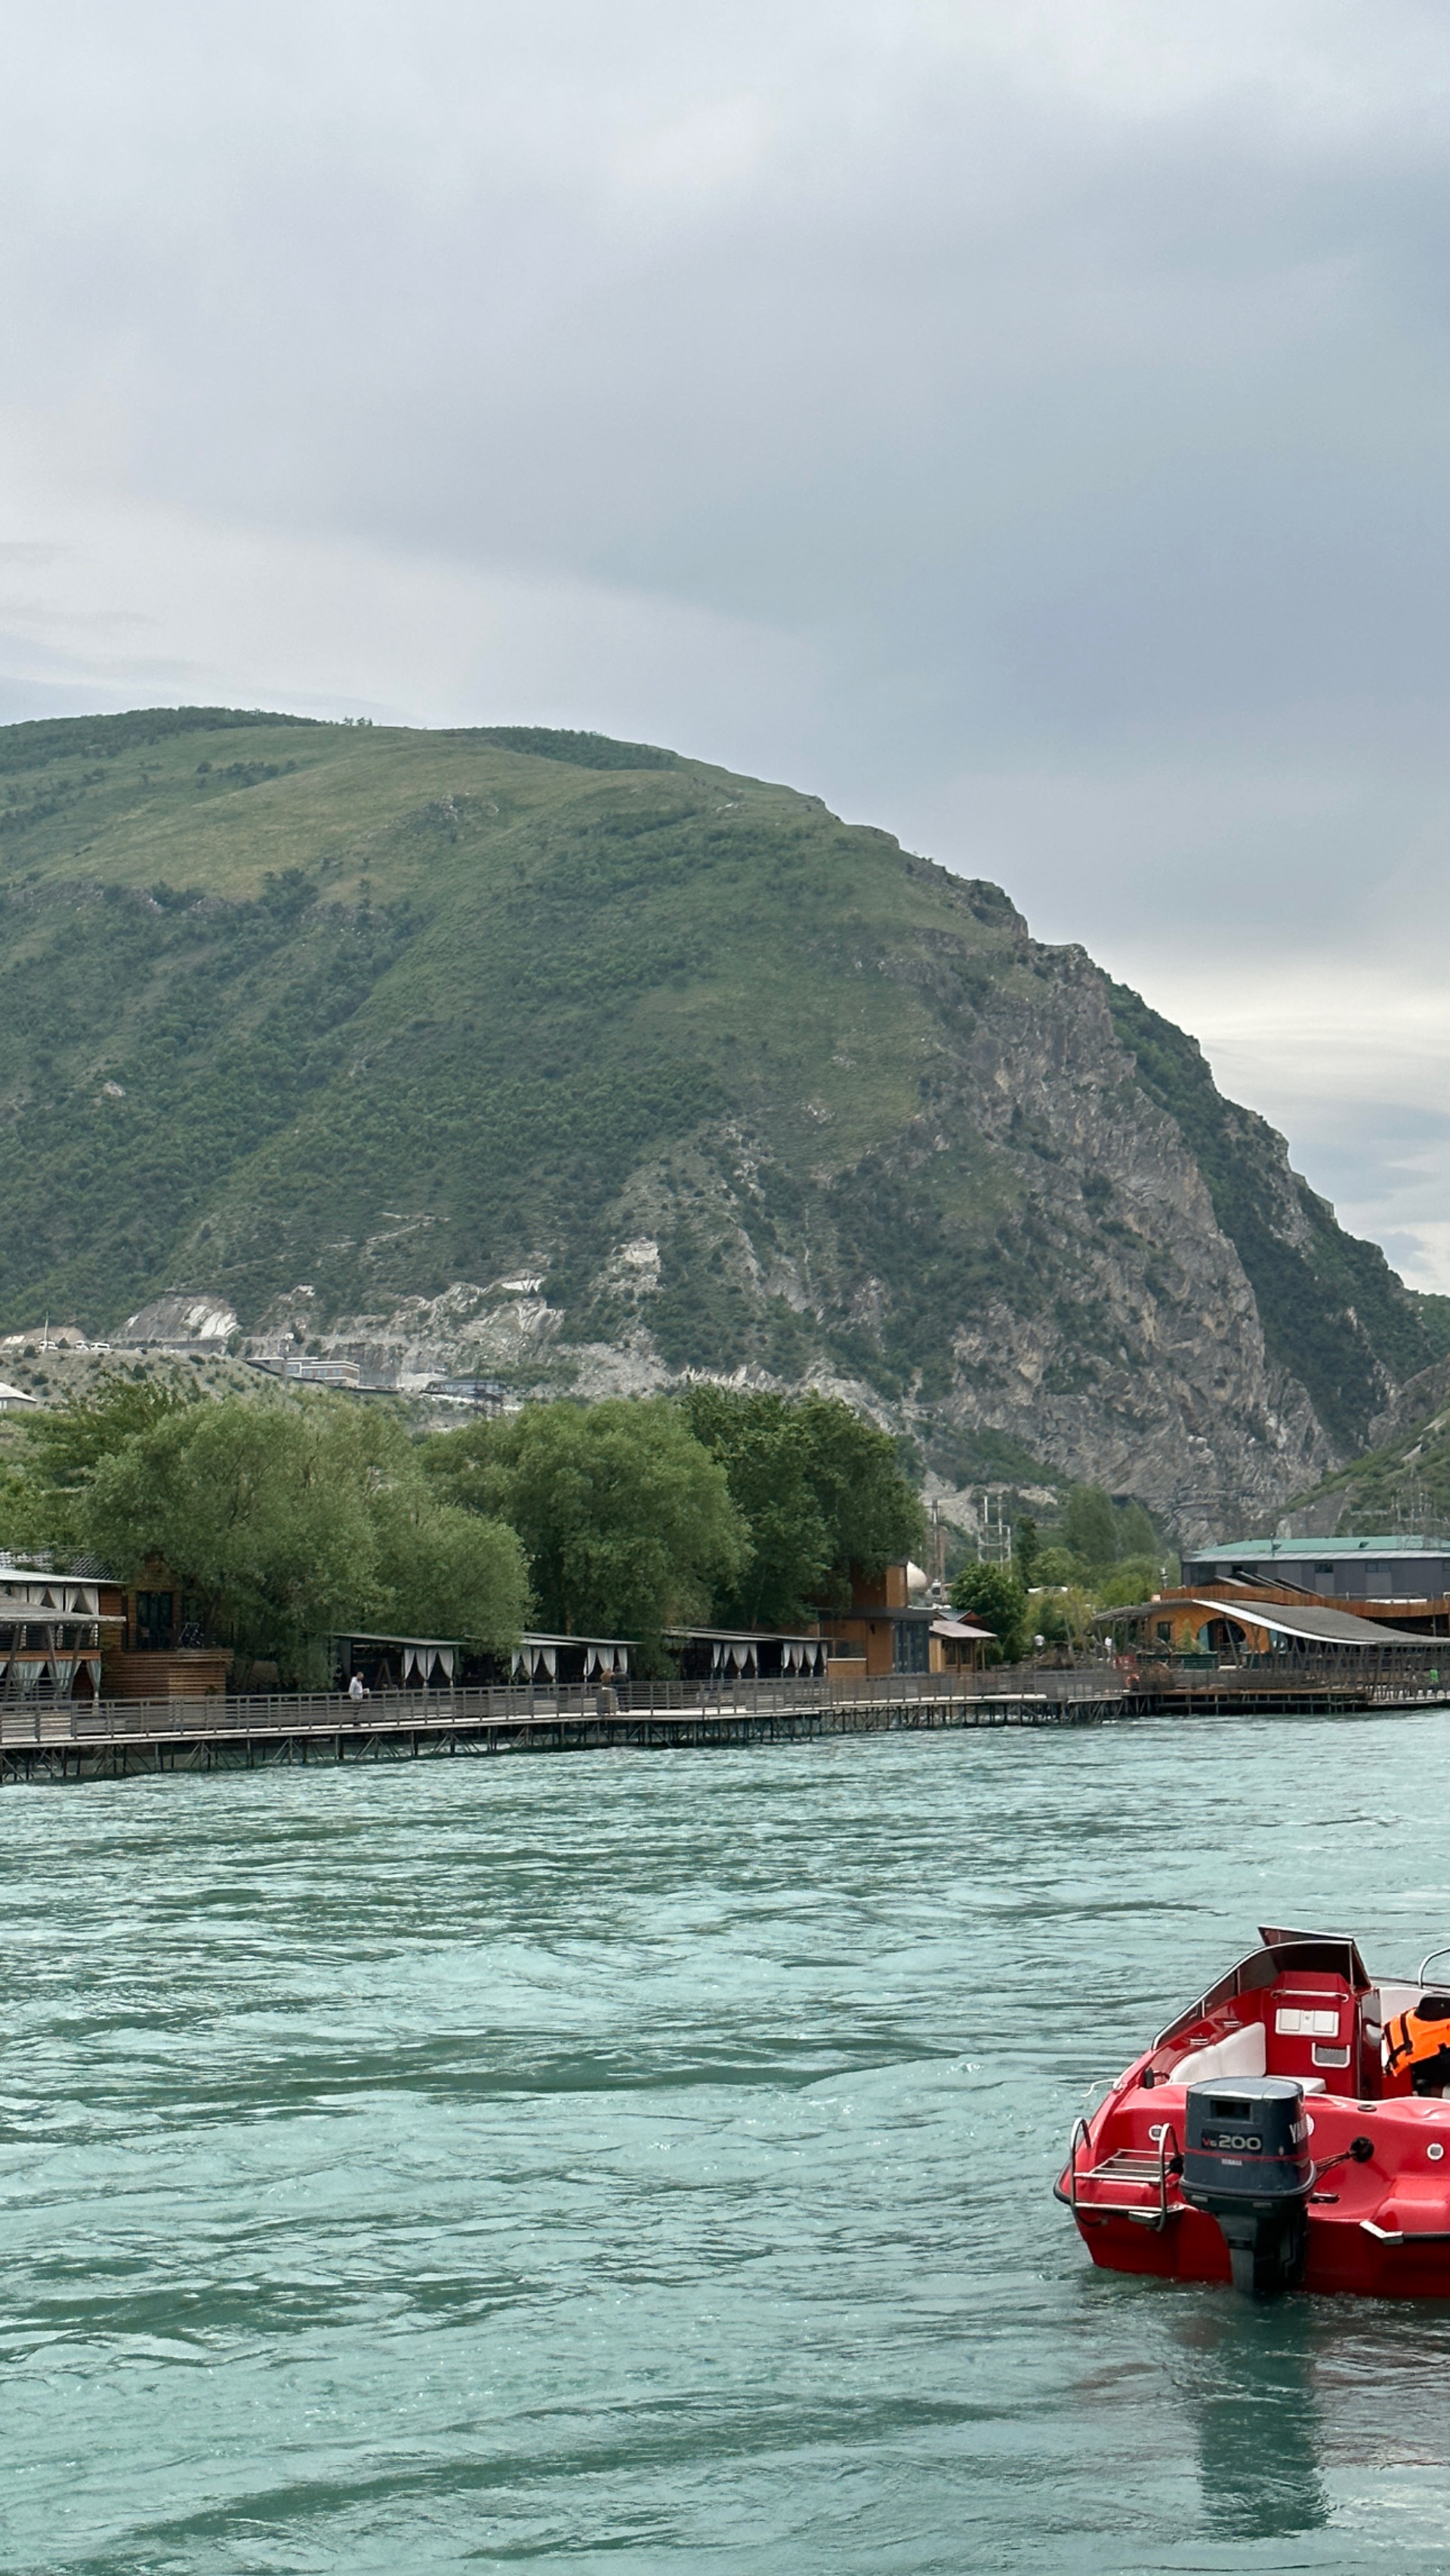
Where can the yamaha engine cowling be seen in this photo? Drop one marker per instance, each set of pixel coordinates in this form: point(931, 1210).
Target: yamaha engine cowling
point(1246, 2162)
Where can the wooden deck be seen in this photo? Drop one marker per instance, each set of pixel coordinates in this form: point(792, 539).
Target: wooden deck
point(124, 1738)
point(119, 1739)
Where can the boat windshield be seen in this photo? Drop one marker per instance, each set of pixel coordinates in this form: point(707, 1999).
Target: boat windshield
point(1311, 1953)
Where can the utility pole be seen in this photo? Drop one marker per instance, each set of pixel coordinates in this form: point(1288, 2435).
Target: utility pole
point(994, 1531)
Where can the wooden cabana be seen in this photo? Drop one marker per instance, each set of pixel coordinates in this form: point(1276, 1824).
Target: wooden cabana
point(50, 1635)
point(397, 1663)
point(570, 1660)
point(756, 1654)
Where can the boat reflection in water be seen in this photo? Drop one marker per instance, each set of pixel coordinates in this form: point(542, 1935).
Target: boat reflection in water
point(1249, 2376)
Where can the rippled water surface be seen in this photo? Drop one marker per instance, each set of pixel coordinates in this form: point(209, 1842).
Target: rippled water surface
point(645, 2162)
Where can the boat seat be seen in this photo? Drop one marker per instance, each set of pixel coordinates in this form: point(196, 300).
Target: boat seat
point(1244, 2052)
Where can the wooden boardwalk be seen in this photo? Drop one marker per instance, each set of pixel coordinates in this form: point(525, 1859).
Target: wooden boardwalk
point(121, 1739)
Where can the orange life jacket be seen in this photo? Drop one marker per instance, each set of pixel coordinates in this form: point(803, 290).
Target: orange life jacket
point(1418, 2035)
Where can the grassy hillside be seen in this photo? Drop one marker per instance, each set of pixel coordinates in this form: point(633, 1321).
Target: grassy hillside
point(401, 1008)
point(383, 1011)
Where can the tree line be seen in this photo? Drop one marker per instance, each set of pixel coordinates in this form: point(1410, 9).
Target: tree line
point(293, 1516)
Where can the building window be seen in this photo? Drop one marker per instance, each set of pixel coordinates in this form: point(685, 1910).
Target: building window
point(155, 1623)
point(910, 1647)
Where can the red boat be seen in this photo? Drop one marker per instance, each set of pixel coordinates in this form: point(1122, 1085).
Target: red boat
point(1290, 2130)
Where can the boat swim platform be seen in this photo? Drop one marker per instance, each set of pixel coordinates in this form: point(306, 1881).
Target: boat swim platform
point(73, 1740)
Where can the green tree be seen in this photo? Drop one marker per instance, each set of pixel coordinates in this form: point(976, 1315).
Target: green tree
point(1055, 1565)
point(996, 1597)
point(819, 1489)
point(1134, 1579)
point(293, 1518)
point(19, 1509)
point(1090, 1526)
point(1064, 1617)
point(65, 1444)
point(1136, 1536)
point(444, 1571)
point(873, 1514)
point(626, 1520)
point(1026, 1549)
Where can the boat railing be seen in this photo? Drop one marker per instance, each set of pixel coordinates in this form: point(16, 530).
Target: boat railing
point(1167, 2136)
point(1126, 2170)
point(1081, 2136)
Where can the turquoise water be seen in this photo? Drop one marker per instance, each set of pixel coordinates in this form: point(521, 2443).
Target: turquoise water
point(644, 2163)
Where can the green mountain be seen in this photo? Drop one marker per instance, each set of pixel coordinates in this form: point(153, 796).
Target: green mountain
point(583, 1063)
point(1402, 1480)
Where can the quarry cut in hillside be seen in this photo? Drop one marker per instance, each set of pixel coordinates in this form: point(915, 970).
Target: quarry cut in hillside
point(584, 1065)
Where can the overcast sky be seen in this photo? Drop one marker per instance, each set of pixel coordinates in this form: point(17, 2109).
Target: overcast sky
point(1024, 423)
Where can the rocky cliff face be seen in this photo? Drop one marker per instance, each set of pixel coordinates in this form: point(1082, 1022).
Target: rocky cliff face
point(586, 1066)
point(1102, 1326)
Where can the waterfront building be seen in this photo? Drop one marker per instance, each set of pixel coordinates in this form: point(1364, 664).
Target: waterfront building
point(387, 1662)
point(51, 1633)
point(395, 1662)
point(886, 1631)
point(757, 1654)
point(1233, 1620)
point(1373, 1573)
point(83, 1636)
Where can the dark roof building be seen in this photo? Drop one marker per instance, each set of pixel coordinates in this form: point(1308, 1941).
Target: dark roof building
point(1336, 1569)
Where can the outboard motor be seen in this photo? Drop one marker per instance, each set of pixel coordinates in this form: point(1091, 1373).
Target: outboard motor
point(1246, 2162)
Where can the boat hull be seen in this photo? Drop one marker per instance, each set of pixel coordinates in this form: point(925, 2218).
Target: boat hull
point(1374, 2176)
point(1341, 2259)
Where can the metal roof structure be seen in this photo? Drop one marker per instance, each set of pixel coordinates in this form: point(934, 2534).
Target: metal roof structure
point(540, 1637)
point(750, 1636)
point(1272, 1550)
point(375, 1637)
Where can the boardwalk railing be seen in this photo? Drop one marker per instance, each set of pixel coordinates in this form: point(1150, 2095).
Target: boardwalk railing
point(78, 1738)
point(36, 1721)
